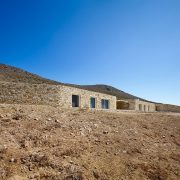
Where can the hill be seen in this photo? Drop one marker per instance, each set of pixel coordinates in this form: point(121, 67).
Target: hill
point(13, 74)
point(110, 90)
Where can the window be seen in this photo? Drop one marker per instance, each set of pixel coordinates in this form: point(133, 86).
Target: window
point(92, 102)
point(75, 101)
point(105, 104)
point(144, 107)
point(140, 107)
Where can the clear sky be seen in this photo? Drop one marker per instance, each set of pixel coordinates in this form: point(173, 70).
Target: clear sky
point(133, 45)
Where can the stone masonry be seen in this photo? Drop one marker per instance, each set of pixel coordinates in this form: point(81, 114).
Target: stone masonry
point(139, 105)
point(167, 108)
point(54, 95)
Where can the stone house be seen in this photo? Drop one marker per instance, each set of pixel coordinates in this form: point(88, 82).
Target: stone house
point(77, 97)
point(136, 104)
point(55, 95)
point(140, 105)
point(65, 96)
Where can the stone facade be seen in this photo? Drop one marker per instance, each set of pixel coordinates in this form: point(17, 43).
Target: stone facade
point(54, 95)
point(139, 105)
point(84, 95)
point(61, 96)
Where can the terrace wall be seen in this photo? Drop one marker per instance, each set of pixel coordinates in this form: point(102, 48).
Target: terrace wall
point(167, 108)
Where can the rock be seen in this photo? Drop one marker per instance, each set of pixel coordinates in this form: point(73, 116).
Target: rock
point(33, 176)
point(107, 143)
point(97, 140)
point(72, 168)
point(13, 160)
point(1, 116)
point(96, 125)
point(71, 162)
point(8, 115)
point(72, 134)
point(3, 173)
point(82, 134)
point(6, 120)
point(3, 148)
point(105, 132)
point(75, 176)
point(96, 174)
point(21, 111)
point(26, 144)
point(57, 121)
point(17, 117)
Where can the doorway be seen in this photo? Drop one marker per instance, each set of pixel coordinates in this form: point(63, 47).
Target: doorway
point(75, 101)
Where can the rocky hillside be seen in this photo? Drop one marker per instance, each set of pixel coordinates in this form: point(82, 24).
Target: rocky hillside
point(13, 74)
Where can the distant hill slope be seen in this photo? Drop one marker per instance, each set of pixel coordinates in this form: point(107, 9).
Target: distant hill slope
point(110, 90)
point(13, 74)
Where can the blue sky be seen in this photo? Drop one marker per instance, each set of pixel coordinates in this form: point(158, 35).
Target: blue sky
point(133, 45)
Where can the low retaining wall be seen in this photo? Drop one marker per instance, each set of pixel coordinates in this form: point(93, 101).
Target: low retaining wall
point(167, 108)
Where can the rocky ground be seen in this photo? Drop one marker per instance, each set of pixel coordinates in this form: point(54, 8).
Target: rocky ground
point(41, 142)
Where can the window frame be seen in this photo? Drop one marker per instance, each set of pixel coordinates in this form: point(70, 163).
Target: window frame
point(78, 102)
point(144, 108)
point(104, 105)
point(92, 98)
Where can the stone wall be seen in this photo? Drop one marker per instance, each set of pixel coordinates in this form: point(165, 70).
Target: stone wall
point(167, 108)
point(139, 105)
point(24, 93)
point(67, 92)
point(54, 95)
